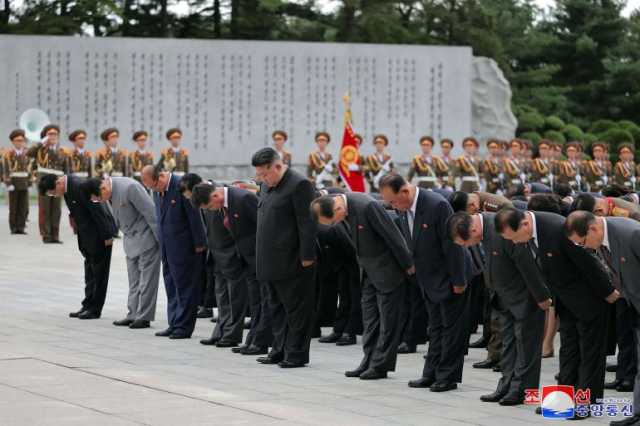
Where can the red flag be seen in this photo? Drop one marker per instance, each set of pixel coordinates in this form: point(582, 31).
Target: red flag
point(350, 159)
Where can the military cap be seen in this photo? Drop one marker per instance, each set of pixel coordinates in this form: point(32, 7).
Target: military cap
point(108, 132)
point(73, 135)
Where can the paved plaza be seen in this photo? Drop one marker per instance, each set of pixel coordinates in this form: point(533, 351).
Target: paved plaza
point(60, 371)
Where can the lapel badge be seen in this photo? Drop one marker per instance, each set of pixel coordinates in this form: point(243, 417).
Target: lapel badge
point(495, 253)
point(173, 201)
point(425, 226)
point(360, 227)
point(236, 215)
point(622, 259)
point(549, 254)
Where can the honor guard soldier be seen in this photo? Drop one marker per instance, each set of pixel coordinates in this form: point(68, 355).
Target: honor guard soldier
point(279, 138)
point(467, 166)
point(491, 167)
point(379, 163)
point(16, 172)
point(570, 170)
point(49, 158)
point(447, 178)
point(598, 170)
point(321, 169)
point(625, 171)
point(175, 159)
point(513, 166)
point(140, 157)
point(111, 160)
point(80, 159)
point(541, 169)
point(427, 167)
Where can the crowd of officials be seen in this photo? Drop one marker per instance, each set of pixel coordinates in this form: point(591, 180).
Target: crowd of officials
point(524, 244)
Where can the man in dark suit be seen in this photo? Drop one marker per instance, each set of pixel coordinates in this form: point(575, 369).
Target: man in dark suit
point(581, 286)
point(285, 256)
point(519, 295)
point(617, 242)
point(440, 272)
point(237, 210)
point(385, 259)
point(95, 228)
point(183, 243)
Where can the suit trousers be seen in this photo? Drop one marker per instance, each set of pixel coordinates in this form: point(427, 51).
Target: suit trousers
point(476, 302)
point(521, 353)
point(583, 351)
point(96, 279)
point(260, 333)
point(383, 315)
point(49, 211)
point(417, 320)
point(494, 347)
point(292, 306)
point(18, 209)
point(182, 283)
point(448, 338)
point(144, 277)
point(627, 351)
point(636, 387)
point(349, 313)
point(231, 297)
point(208, 289)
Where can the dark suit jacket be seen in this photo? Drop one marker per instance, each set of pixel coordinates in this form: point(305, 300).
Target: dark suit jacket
point(221, 244)
point(286, 232)
point(180, 224)
point(243, 219)
point(94, 223)
point(336, 248)
point(439, 262)
point(382, 251)
point(624, 243)
point(540, 188)
point(512, 272)
point(575, 276)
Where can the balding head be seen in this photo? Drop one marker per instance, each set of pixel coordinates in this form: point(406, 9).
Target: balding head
point(154, 178)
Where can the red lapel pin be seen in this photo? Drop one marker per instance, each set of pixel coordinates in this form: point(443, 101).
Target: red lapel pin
point(549, 254)
point(425, 226)
point(360, 227)
point(173, 201)
point(622, 259)
point(236, 215)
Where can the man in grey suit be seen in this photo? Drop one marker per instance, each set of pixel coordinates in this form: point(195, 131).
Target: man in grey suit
point(520, 298)
point(617, 243)
point(386, 261)
point(135, 216)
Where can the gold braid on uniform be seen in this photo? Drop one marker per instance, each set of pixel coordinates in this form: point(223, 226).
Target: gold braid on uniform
point(374, 164)
point(510, 167)
point(491, 167)
point(43, 156)
point(12, 158)
point(440, 164)
point(316, 162)
point(595, 169)
point(540, 166)
point(422, 166)
point(137, 162)
point(569, 171)
point(623, 170)
point(465, 165)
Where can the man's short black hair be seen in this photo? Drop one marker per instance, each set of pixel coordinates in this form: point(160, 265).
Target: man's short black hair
point(508, 218)
point(92, 186)
point(325, 205)
point(586, 202)
point(264, 157)
point(578, 223)
point(459, 201)
point(459, 225)
point(516, 191)
point(188, 181)
point(562, 189)
point(201, 193)
point(393, 181)
point(545, 203)
point(615, 191)
point(47, 183)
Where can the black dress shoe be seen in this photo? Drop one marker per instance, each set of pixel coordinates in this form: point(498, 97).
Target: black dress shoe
point(138, 324)
point(289, 364)
point(487, 363)
point(406, 348)
point(625, 386)
point(239, 349)
point(204, 312)
point(211, 341)
point(178, 336)
point(630, 421)
point(165, 333)
point(492, 397)
point(346, 340)
point(214, 318)
point(355, 373)
point(480, 343)
point(75, 314)
point(612, 385)
point(443, 386)
point(20, 232)
point(267, 360)
point(422, 382)
point(88, 315)
point(556, 376)
point(332, 338)
point(611, 368)
point(55, 242)
point(254, 350)
point(123, 322)
point(226, 344)
point(373, 374)
point(539, 411)
point(511, 401)
point(497, 368)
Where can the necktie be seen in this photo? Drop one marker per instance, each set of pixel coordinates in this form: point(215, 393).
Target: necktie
point(225, 220)
point(410, 220)
point(534, 252)
point(605, 256)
